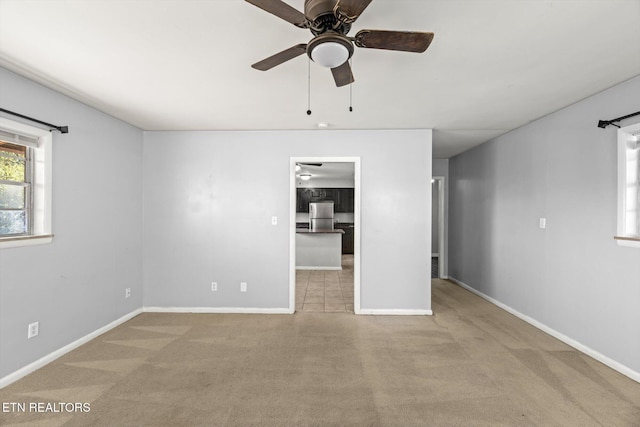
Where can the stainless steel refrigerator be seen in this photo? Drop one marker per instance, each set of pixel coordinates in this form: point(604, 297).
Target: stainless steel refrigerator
point(321, 216)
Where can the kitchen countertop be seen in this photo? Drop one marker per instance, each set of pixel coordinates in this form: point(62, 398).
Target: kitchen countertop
point(321, 231)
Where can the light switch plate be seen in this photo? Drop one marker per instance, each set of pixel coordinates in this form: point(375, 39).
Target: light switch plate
point(274, 220)
point(543, 222)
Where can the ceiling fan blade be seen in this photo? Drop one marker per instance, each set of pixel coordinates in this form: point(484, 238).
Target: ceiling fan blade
point(406, 41)
point(281, 10)
point(342, 74)
point(349, 10)
point(280, 57)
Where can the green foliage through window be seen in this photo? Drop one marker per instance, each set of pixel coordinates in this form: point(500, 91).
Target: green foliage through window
point(14, 203)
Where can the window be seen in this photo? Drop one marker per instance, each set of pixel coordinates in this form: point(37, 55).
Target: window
point(16, 178)
point(629, 186)
point(25, 184)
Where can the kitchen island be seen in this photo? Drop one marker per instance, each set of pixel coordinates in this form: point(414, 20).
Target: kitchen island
point(319, 249)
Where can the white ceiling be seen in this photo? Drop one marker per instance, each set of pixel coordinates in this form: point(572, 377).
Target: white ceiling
point(328, 170)
point(494, 65)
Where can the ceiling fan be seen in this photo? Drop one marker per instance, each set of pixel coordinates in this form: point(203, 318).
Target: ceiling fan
point(329, 22)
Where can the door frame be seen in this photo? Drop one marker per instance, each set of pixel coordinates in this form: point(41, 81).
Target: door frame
point(292, 225)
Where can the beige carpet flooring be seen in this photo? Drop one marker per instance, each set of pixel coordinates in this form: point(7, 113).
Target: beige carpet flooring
point(471, 364)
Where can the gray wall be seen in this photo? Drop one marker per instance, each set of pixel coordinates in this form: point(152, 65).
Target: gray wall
point(441, 168)
point(571, 277)
point(209, 199)
point(210, 196)
point(75, 285)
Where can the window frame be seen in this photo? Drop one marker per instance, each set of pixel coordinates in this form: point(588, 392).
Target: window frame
point(39, 230)
point(622, 237)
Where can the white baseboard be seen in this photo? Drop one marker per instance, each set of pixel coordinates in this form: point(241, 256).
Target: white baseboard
point(317, 268)
point(45, 360)
point(392, 312)
point(218, 310)
point(567, 340)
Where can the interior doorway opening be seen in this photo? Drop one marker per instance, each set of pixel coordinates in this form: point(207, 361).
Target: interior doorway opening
point(324, 260)
point(438, 244)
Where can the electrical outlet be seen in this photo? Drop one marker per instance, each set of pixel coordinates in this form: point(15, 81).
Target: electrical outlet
point(543, 223)
point(214, 286)
point(274, 220)
point(33, 330)
point(243, 286)
point(127, 292)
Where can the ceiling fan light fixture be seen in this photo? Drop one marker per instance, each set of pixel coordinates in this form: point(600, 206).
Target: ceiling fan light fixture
point(330, 54)
point(330, 49)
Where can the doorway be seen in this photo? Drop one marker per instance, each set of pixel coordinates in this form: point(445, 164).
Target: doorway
point(438, 237)
point(350, 262)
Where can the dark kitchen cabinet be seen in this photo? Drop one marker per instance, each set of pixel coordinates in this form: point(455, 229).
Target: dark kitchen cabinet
point(302, 199)
point(346, 200)
point(342, 198)
point(348, 240)
point(320, 195)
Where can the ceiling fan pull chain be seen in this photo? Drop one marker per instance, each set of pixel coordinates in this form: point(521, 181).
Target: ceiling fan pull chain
point(351, 89)
point(308, 86)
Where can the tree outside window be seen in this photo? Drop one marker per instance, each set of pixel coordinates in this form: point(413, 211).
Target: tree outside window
point(15, 189)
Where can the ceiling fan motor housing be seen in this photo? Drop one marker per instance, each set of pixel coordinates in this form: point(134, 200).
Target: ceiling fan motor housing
point(321, 17)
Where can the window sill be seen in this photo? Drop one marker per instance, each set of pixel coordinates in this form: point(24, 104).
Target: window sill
point(632, 242)
point(20, 241)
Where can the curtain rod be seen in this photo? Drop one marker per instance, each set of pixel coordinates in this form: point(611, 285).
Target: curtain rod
point(604, 123)
point(61, 129)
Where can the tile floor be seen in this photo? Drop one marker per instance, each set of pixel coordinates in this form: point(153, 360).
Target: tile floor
point(324, 291)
